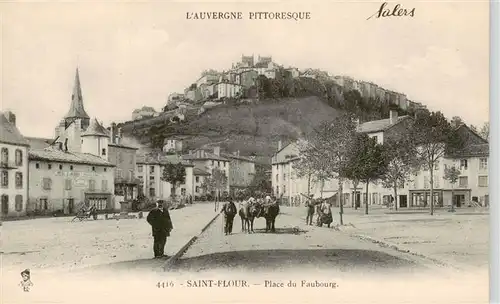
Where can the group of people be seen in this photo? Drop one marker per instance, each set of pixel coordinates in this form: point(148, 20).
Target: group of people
point(229, 209)
point(323, 212)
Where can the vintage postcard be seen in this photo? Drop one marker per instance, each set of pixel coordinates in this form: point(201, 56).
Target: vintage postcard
point(253, 152)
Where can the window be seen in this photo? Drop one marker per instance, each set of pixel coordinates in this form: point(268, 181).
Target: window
point(104, 185)
point(92, 185)
point(436, 165)
point(5, 204)
point(463, 181)
point(105, 169)
point(436, 182)
point(93, 168)
point(19, 157)
point(103, 152)
point(463, 164)
point(197, 189)
point(37, 165)
point(183, 191)
point(71, 167)
point(152, 192)
point(426, 182)
point(131, 174)
point(49, 166)
point(197, 179)
point(19, 179)
point(482, 181)
point(19, 203)
point(46, 183)
point(139, 168)
point(44, 203)
point(60, 167)
point(67, 184)
point(5, 155)
point(218, 163)
point(375, 138)
point(151, 169)
point(5, 178)
point(483, 163)
point(212, 163)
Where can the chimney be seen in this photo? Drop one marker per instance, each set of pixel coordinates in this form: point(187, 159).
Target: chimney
point(217, 151)
point(66, 145)
point(11, 117)
point(279, 145)
point(113, 133)
point(393, 116)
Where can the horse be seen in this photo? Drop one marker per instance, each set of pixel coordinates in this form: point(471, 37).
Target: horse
point(248, 212)
point(270, 212)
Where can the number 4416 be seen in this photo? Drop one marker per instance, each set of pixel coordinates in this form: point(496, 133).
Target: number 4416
point(165, 284)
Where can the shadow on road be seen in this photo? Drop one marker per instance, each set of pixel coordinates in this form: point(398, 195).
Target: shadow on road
point(333, 259)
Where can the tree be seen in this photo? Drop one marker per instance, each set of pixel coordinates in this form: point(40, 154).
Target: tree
point(485, 131)
point(451, 174)
point(175, 174)
point(261, 181)
point(332, 143)
point(456, 121)
point(366, 162)
point(312, 168)
point(217, 182)
point(401, 161)
point(434, 137)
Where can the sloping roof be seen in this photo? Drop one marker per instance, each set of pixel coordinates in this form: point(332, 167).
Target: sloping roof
point(76, 109)
point(56, 155)
point(39, 143)
point(122, 146)
point(478, 150)
point(160, 159)
point(9, 133)
point(95, 129)
point(207, 156)
point(198, 171)
point(245, 158)
point(379, 125)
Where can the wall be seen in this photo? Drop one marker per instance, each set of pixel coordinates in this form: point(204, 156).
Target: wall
point(162, 188)
point(241, 172)
point(95, 145)
point(11, 190)
point(58, 194)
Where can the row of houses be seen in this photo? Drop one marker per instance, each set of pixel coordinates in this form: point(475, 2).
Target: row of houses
point(471, 189)
point(86, 163)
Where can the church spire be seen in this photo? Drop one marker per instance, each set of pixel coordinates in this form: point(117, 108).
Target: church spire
point(76, 109)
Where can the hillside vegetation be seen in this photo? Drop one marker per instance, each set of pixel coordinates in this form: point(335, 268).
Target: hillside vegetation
point(253, 129)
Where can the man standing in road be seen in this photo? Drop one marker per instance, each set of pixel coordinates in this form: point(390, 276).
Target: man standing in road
point(161, 224)
point(230, 211)
point(310, 210)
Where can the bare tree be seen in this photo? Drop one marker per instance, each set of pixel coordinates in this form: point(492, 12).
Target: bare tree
point(332, 143)
point(452, 174)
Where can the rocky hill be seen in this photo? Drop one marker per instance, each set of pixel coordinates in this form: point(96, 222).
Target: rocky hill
point(253, 129)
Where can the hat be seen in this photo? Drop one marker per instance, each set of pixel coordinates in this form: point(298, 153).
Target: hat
point(26, 271)
point(268, 197)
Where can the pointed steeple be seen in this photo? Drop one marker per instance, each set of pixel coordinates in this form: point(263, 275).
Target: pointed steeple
point(76, 109)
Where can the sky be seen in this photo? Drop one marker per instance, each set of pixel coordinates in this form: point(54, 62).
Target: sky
point(134, 54)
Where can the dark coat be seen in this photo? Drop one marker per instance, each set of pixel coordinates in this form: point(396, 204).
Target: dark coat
point(227, 210)
point(160, 221)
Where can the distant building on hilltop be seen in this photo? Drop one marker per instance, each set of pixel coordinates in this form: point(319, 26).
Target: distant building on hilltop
point(143, 113)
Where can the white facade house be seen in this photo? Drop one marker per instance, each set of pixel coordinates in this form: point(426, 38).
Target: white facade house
point(13, 168)
point(287, 184)
point(61, 181)
point(150, 171)
point(207, 161)
point(228, 90)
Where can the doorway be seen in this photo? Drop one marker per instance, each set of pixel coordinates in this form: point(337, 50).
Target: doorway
point(458, 199)
point(71, 205)
point(403, 201)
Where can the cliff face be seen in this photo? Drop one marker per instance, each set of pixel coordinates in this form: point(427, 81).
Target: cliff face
point(251, 129)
